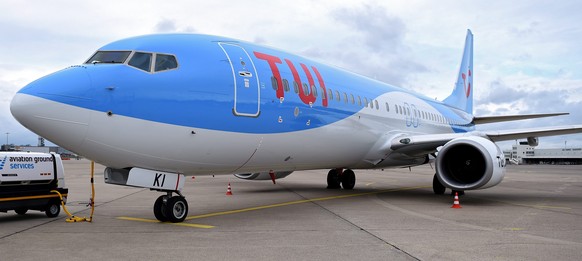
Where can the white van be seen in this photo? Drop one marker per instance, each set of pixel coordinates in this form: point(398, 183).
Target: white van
point(26, 182)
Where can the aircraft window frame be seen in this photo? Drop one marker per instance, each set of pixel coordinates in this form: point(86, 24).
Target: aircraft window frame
point(286, 85)
point(330, 94)
point(387, 107)
point(376, 102)
point(352, 99)
point(337, 95)
point(345, 97)
point(173, 64)
point(305, 89)
point(296, 87)
point(359, 100)
point(314, 90)
point(125, 54)
point(151, 58)
point(274, 83)
point(365, 102)
point(323, 93)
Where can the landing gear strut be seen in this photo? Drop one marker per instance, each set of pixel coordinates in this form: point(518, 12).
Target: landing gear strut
point(346, 178)
point(171, 208)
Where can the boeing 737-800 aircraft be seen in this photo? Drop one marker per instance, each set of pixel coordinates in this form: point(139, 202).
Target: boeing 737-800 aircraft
point(156, 108)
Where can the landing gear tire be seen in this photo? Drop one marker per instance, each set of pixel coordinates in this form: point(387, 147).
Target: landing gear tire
point(53, 209)
point(348, 179)
point(176, 209)
point(437, 187)
point(160, 209)
point(21, 211)
point(333, 179)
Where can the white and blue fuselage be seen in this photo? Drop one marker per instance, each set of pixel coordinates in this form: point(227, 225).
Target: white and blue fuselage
point(226, 106)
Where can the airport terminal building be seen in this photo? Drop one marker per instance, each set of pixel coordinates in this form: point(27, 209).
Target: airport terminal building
point(522, 153)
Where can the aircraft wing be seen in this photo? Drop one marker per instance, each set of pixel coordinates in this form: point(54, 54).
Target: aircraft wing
point(415, 145)
point(504, 118)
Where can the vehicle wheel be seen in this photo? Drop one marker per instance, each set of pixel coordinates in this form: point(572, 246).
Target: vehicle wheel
point(437, 187)
point(53, 209)
point(333, 179)
point(348, 179)
point(160, 209)
point(21, 211)
point(176, 209)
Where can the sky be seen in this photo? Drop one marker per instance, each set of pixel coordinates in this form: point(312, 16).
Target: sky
point(527, 54)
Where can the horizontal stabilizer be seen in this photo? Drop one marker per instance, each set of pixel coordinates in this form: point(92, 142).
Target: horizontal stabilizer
point(493, 119)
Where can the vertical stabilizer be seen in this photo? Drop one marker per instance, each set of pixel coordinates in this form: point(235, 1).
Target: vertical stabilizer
point(462, 96)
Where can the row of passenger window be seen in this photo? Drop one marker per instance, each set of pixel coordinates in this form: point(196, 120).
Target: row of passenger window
point(331, 95)
point(149, 62)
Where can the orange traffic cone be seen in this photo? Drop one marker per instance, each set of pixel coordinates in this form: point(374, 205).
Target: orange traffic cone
point(456, 202)
point(228, 191)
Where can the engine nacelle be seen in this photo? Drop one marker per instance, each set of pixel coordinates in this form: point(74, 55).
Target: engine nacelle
point(263, 175)
point(470, 163)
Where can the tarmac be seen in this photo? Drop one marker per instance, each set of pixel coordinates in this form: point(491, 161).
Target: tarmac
point(534, 214)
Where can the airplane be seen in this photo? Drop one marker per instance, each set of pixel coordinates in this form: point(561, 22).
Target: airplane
point(156, 108)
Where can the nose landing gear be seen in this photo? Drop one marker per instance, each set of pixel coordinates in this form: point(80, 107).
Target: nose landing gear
point(171, 208)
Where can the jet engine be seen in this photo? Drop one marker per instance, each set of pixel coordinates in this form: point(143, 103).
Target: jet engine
point(469, 163)
point(263, 175)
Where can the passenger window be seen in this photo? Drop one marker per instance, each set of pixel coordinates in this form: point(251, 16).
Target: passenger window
point(365, 102)
point(330, 93)
point(141, 61)
point(286, 85)
point(376, 102)
point(345, 97)
point(359, 100)
point(352, 98)
point(274, 83)
point(305, 89)
point(165, 62)
point(337, 96)
point(323, 92)
point(387, 107)
point(314, 90)
point(296, 87)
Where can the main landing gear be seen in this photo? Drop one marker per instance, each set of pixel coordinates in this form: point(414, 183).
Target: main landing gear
point(335, 177)
point(171, 208)
point(440, 189)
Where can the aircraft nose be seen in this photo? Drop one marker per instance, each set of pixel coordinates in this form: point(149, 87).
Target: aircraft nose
point(53, 106)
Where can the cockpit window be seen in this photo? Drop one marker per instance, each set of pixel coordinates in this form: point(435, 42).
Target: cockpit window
point(109, 57)
point(141, 61)
point(165, 62)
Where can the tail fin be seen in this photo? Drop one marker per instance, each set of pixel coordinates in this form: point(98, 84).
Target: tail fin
point(462, 96)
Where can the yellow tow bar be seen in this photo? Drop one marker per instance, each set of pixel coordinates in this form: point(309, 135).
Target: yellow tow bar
point(72, 218)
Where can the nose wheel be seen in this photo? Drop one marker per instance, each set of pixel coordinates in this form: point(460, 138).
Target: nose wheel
point(171, 208)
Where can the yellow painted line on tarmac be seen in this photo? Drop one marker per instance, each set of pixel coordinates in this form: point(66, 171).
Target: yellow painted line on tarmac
point(236, 211)
point(156, 221)
point(513, 228)
point(550, 207)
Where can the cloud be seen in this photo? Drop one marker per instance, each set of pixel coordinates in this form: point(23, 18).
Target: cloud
point(169, 26)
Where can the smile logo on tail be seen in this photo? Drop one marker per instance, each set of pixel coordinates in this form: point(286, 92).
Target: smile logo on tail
point(467, 86)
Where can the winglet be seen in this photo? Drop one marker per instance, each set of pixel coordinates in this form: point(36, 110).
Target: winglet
point(462, 95)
